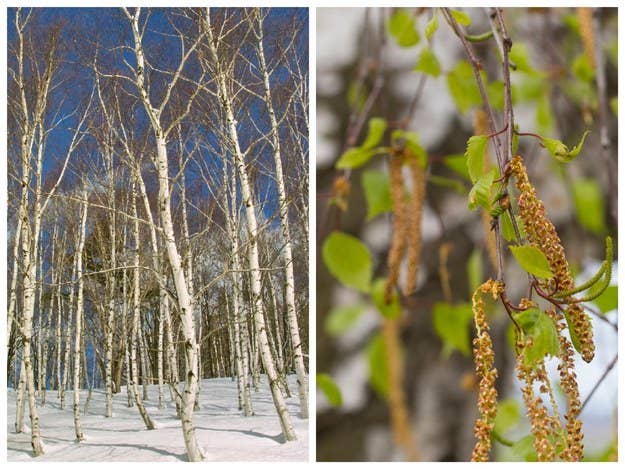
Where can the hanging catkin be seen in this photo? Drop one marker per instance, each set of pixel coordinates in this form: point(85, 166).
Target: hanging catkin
point(400, 223)
point(415, 214)
point(541, 233)
point(484, 358)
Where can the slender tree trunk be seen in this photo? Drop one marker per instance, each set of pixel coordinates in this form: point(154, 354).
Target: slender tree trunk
point(20, 401)
point(194, 452)
point(255, 273)
point(159, 356)
point(289, 283)
point(136, 307)
point(110, 322)
point(79, 315)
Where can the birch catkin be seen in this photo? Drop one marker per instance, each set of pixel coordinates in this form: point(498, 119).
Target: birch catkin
point(568, 383)
point(541, 233)
point(400, 224)
point(415, 214)
point(484, 358)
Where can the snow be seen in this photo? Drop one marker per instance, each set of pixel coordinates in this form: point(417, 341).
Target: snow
point(223, 433)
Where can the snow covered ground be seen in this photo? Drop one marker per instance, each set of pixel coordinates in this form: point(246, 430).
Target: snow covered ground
point(222, 432)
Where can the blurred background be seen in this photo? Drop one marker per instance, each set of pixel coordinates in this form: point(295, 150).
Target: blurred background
point(558, 92)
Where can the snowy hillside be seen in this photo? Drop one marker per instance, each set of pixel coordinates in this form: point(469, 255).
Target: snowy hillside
point(222, 432)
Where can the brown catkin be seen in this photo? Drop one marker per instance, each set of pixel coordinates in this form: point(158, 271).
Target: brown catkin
point(568, 382)
point(400, 423)
point(541, 233)
point(484, 358)
point(587, 33)
point(543, 426)
point(400, 224)
point(480, 127)
point(415, 214)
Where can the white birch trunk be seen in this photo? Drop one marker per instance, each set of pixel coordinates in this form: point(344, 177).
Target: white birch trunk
point(136, 307)
point(194, 452)
point(289, 286)
point(79, 315)
point(255, 277)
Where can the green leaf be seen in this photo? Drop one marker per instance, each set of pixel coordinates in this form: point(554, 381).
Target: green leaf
point(507, 230)
point(355, 157)
point(577, 148)
point(375, 132)
point(341, 319)
point(589, 205)
point(454, 184)
point(544, 116)
point(431, 26)
point(451, 323)
point(520, 57)
point(524, 448)
point(458, 164)
point(560, 151)
point(378, 365)
point(462, 86)
point(479, 196)
point(476, 145)
point(475, 270)
point(495, 93)
point(349, 260)
point(542, 329)
point(391, 310)
point(402, 27)
point(608, 301)
point(531, 88)
point(461, 17)
point(532, 260)
point(330, 389)
point(508, 415)
point(582, 69)
point(428, 63)
point(377, 188)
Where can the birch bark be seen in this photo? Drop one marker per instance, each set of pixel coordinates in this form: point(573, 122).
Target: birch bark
point(255, 273)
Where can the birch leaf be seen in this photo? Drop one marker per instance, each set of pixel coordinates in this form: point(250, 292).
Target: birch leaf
point(375, 132)
point(391, 310)
point(532, 260)
point(330, 389)
point(480, 193)
point(461, 17)
point(402, 27)
point(475, 156)
point(560, 151)
point(431, 26)
point(340, 320)
point(349, 260)
point(428, 63)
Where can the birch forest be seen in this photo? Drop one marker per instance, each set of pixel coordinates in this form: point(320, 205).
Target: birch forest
point(157, 240)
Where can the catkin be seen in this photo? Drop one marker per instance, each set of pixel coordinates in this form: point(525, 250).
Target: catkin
point(415, 214)
point(484, 358)
point(568, 383)
point(400, 424)
point(541, 233)
point(400, 224)
point(587, 32)
point(541, 423)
